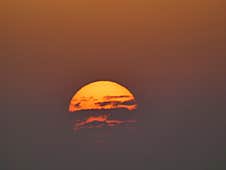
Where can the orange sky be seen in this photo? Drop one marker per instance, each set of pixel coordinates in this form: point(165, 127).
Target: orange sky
point(170, 53)
point(156, 43)
point(157, 33)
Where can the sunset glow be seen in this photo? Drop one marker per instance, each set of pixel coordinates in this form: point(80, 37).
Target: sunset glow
point(102, 95)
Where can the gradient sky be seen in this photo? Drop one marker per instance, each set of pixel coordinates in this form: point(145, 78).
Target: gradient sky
point(171, 54)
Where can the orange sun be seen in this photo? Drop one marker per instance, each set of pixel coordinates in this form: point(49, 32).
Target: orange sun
point(102, 95)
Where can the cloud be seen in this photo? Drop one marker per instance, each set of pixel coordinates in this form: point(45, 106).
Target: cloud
point(112, 103)
point(129, 102)
point(77, 105)
point(116, 97)
point(115, 103)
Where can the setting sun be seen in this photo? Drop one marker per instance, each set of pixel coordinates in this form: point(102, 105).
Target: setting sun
point(102, 95)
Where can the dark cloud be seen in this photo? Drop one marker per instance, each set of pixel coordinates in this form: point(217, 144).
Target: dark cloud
point(115, 103)
point(129, 102)
point(116, 97)
point(77, 105)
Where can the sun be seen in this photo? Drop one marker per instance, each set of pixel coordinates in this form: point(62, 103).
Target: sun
point(102, 95)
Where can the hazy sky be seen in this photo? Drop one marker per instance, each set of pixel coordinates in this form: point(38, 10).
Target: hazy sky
point(171, 54)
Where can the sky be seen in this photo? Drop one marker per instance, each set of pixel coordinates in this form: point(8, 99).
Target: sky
point(170, 54)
